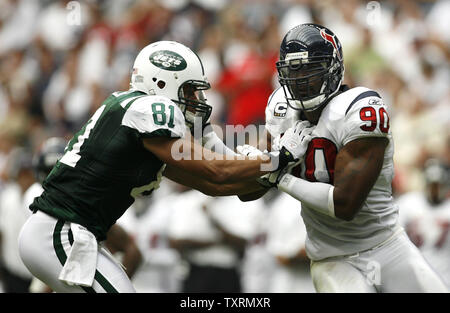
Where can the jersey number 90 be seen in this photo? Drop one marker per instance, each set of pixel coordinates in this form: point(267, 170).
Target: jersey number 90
point(369, 115)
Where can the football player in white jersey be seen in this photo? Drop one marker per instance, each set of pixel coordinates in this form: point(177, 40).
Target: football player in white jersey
point(425, 215)
point(344, 178)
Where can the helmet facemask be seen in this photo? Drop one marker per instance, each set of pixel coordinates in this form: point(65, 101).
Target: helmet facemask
point(192, 101)
point(309, 81)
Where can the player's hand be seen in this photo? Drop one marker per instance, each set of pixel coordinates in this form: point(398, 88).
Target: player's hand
point(268, 180)
point(272, 179)
point(249, 151)
point(296, 139)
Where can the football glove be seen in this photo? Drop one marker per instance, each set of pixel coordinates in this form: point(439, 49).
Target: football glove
point(249, 151)
point(272, 179)
point(296, 140)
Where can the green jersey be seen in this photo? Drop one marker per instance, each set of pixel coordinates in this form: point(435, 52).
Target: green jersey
point(105, 165)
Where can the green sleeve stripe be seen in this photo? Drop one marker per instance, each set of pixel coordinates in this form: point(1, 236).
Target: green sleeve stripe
point(131, 102)
point(62, 257)
point(129, 95)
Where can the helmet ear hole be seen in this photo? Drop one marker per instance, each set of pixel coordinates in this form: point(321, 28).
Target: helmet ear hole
point(154, 79)
point(161, 84)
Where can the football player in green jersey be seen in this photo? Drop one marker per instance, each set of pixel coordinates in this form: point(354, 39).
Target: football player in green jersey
point(130, 142)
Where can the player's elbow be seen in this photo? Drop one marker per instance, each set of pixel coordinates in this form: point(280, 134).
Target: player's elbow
point(252, 196)
point(246, 198)
point(346, 208)
point(345, 215)
point(213, 190)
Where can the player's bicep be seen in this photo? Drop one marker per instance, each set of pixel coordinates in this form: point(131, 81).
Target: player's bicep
point(358, 165)
point(189, 180)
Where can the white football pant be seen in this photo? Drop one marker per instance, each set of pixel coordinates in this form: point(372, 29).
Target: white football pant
point(395, 266)
point(44, 244)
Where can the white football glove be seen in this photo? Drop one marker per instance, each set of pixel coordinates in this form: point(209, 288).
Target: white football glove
point(296, 139)
point(272, 179)
point(249, 151)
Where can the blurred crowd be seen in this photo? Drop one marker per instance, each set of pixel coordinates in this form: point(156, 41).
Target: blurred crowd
point(60, 59)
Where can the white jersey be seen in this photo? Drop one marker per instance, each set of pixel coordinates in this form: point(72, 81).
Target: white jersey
point(13, 214)
point(279, 116)
point(286, 237)
point(356, 113)
point(32, 192)
point(428, 226)
point(158, 271)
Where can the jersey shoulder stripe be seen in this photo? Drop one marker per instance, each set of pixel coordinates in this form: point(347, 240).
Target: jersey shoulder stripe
point(128, 102)
point(365, 94)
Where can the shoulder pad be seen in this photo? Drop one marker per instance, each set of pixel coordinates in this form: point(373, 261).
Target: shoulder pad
point(152, 113)
point(279, 116)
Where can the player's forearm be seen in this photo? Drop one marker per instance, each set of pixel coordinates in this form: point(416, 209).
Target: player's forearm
point(247, 191)
point(230, 168)
point(194, 159)
point(239, 188)
point(322, 197)
point(131, 260)
point(237, 170)
point(315, 195)
point(210, 188)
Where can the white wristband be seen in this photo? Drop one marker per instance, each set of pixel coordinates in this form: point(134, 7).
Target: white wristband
point(315, 195)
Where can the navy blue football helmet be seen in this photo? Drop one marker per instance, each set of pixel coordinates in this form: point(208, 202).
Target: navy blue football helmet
point(437, 179)
point(311, 66)
point(43, 162)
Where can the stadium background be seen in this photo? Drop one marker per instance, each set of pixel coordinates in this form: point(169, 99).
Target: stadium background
point(60, 59)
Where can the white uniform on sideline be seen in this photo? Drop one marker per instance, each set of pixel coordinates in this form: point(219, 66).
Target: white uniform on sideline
point(361, 254)
point(32, 192)
point(258, 264)
point(158, 272)
point(13, 214)
point(430, 227)
point(189, 221)
point(286, 237)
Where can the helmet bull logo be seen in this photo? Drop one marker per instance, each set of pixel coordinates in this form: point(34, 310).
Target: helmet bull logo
point(330, 38)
